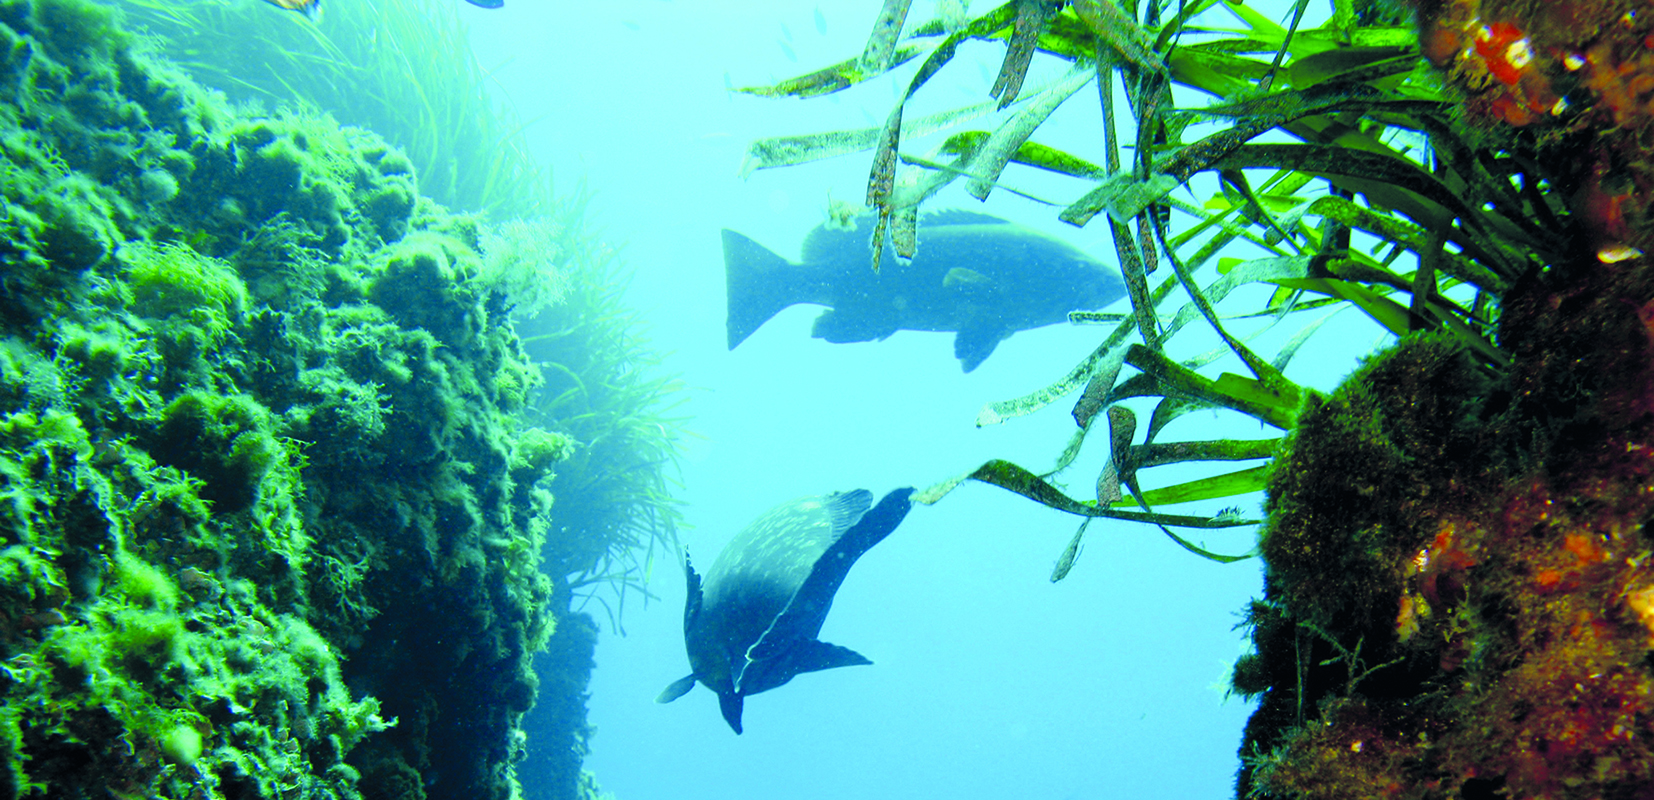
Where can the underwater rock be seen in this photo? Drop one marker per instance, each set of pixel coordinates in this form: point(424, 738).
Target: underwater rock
point(267, 527)
point(1459, 592)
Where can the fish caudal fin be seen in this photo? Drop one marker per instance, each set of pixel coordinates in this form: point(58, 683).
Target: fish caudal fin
point(758, 285)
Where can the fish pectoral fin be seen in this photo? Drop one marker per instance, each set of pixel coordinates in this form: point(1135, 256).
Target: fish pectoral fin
point(679, 688)
point(963, 278)
point(730, 704)
point(975, 342)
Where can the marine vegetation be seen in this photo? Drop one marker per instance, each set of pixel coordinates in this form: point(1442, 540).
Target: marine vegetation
point(273, 502)
point(603, 386)
point(980, 276)
point(403, 69)
point(1456, 543)
point(751, 626)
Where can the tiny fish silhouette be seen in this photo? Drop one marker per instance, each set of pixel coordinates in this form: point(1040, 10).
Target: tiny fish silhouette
point(752, 624)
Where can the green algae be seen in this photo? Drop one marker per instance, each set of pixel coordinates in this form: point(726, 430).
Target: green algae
point(401, 68)
point(271, 520)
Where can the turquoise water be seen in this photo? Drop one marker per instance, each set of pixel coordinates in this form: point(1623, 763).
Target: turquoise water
point(988, 680)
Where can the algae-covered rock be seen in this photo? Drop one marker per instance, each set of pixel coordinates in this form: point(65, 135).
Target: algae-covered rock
point(269, 523)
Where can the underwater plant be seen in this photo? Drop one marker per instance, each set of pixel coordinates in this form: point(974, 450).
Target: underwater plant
point(604, 388)
point(403, 69)
point(1456, 549)
point(274, 504)
point(1353, 95)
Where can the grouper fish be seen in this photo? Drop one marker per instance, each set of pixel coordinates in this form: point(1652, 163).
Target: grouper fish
point(978, 275)
point(751, 625)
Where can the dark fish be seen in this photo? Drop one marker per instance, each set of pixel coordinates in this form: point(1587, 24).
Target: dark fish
point(752, 624)
point(978, 275)
point(487, 3)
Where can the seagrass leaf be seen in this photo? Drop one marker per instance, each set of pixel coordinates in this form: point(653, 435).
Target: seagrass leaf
point(1228, 484)
point(837, 77)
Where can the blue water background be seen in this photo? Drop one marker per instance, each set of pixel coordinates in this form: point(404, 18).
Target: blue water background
point(988, 680)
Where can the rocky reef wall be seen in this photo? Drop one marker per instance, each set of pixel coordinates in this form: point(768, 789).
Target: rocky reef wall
point(1460, 590)
point(270, 520)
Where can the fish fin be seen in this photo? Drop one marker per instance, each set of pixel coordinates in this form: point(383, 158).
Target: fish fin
point(692, 595)
point(795, 657)
point(814, 655)
point(848, 232)
point(841, 327)
point(801, 619)
point(679, 688)
point(845, 509)
point(730, 705)
point(964, 278)
point(755, 284)
point(956, 216)
point(975, 342)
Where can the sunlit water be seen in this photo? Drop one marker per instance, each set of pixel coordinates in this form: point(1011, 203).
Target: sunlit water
point(989, 681)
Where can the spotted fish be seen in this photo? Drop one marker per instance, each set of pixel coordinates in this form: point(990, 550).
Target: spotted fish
point(978, 275)
point(751, 625)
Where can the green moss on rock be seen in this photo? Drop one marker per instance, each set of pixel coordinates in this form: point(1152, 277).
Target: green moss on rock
point(1351, 498)
point(269, 522)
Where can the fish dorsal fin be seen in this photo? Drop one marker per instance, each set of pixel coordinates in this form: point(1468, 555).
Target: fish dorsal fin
point(827, 244)
point(844, 509)
point(957, 216)
point(802, 619)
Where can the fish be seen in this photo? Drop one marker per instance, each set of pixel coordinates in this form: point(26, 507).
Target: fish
point(1065, 562)
point(980, 276)
point(311, 9)
point(751, 624)
point(487, 3)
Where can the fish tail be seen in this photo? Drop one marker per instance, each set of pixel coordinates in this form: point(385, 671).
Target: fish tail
point(758, 285)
